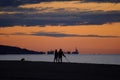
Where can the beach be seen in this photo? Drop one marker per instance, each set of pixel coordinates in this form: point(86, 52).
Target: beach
point(36, 70)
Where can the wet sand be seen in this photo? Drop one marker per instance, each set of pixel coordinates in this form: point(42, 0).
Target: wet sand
point(26, 70)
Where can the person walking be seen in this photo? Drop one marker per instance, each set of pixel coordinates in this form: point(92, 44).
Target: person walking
point(60, 53)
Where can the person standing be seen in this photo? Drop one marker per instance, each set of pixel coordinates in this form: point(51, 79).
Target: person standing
point(56, 56)
point(60, 55)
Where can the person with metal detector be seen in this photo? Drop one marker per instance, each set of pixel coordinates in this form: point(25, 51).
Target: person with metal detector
point(60, 53)
point(67, 59)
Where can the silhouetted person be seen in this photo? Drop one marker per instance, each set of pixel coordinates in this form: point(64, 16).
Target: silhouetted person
point(23, 59)
point(56, 56)
point(60, 55)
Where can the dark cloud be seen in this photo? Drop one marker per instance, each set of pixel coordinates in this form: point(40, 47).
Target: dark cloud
point(59, 35)
point(21, 10)
point(15, 3)
point(99, 36)
point(31, 17)
point(56, 34)
point(60, 18)
point(102, 1)
point(18, 33)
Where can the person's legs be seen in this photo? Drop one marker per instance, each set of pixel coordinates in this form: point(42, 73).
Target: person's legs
point(55, 59)
point(60, 60)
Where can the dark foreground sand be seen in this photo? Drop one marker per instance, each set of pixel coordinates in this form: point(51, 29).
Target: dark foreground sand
point(16, 70)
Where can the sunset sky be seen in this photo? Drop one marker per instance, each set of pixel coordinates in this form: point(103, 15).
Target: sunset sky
point(91, 26)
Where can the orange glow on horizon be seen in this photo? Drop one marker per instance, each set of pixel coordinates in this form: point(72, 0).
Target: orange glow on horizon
point(105, 29)
point(84, 44)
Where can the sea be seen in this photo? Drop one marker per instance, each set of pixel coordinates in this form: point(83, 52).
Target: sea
point(70, 58)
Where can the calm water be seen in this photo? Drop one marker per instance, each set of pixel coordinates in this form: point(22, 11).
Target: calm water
point(99, 59)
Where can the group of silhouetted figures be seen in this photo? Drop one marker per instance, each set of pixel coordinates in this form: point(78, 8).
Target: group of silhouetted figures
point(58, 55)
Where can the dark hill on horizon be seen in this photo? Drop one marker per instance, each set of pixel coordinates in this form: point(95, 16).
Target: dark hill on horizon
point(4, 49)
